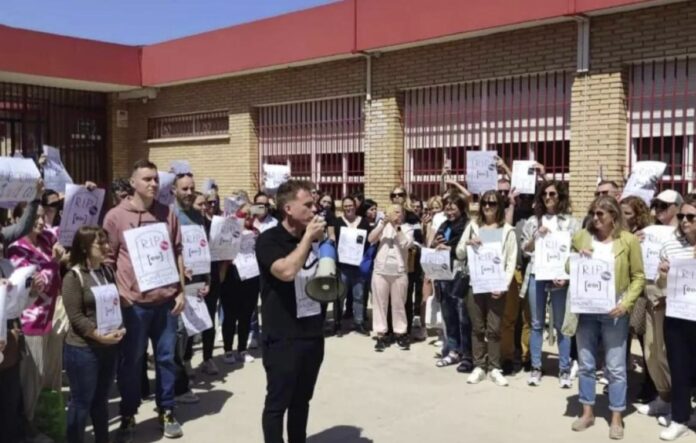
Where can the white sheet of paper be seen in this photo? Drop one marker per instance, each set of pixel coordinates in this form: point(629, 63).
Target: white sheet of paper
point(247, 266)
point(481, 171)
point(152, 254)
point(180, 167)
point(274, 176)
point(486, 268)
point(166, 184)
point(306, 307)
point(643, 180)
point(18, 178)
point(351, 246)
point(225, 238)
point(108, 308)
point(592, 289)
point(681, 289)
point(524, 176)
point(438, 220)
point(232, 204)
point(551, 253)
point(81, 208)
point(436, 264)
point(3, 312)
point(18, 296)
point(55, 176)
point(196, 317)
point(196, 252)
point(651, 245)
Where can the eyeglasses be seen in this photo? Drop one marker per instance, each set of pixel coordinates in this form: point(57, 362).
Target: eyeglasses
point(689, 217)
point(660, 206)
point(598, 214)
point(397, 194)
point(489, 204)
point(551, 194)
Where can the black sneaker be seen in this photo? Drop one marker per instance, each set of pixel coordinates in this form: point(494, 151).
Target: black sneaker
point(362, 330)
point(170, 427)
point(126, 431)
point(380, 346)
point(403, 342)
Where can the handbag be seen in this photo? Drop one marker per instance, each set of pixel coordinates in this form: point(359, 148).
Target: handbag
point(638, 314)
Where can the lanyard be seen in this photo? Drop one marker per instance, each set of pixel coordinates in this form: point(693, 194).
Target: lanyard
point(99, 282)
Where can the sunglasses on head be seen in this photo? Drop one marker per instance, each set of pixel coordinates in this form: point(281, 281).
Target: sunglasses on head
point(397, 194)
point(689, 217)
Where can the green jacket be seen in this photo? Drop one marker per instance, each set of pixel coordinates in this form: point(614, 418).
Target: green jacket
point(628, 265)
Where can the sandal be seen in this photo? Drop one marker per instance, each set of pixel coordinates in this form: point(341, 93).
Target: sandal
point(450, 359)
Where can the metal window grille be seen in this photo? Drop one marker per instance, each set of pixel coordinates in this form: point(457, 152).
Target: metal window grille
point(525, 117)
point(189, 125)
point(319, 140)
point(661, 110)
point(72, 121)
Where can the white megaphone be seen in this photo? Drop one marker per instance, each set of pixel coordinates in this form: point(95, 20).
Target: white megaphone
point(326, 286)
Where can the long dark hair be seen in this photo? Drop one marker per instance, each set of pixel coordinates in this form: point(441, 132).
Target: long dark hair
point(563, 198)
point(366, 204)
point(499, 208)
point(82, 243)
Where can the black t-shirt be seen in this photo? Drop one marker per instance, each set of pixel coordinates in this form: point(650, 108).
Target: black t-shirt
point(339, 223)
point(278, 298)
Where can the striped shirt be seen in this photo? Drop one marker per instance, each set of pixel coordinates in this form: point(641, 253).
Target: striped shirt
point(677, 247)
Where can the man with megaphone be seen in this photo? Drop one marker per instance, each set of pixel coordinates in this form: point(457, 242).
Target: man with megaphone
point(292, 341)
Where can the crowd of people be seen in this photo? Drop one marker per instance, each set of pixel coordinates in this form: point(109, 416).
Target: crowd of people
point(483, 335)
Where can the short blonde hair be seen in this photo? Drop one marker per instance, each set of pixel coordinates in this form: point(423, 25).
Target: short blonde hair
point(393, 208)
point(436, 201)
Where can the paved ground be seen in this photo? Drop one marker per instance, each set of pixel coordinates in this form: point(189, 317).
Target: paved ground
point(396, 396)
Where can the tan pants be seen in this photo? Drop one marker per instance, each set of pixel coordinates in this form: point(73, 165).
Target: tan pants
point(384, 287)
point(41, 368)
point(655, 351)
point(513, 305)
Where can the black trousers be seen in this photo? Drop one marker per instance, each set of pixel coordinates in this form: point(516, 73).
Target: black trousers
point(208, 336)
point(239, 299)
point(292, 367)
point(11, 417)
point(680, 341)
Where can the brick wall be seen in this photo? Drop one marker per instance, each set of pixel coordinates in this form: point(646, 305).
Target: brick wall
point(598, 115)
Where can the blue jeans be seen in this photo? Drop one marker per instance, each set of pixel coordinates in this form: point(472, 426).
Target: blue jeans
point(355, 288)
point(91, 372)
point(539, 291)
point(159, 325)
point(613, 333)
point(455, 316)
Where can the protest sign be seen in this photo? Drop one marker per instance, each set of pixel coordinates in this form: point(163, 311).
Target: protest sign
point(225, 238)
point(81, 208)
point(481, 171)
point(18, 178)
point(166, 186)
point(681, 289)
point(643, 180)
point(274, 176)
point(436, 264)
point(55, 175)
point(592, 289)
point(551, 252)
point(654, 237)
point(108, 308)
point(524, 176)
point(196, 317)
point(351, 246)
point(196, 252)
point(151, 252)
point(486, 268)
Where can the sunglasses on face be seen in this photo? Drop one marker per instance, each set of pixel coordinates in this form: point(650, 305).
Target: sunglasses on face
point(489, 204)
point(689, 217)
point(184, 174)
point(504, 192)
point(660, 206)
point(598, 214)
point(397, 194)
point(552, 194)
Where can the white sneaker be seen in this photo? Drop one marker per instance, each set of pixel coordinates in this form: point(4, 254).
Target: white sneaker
point(188, 398)
point(574, 369)
point(534, 378)
point(674, 431)
point(230, 357)
point(476, 376)
point(247, 358)
point(252, 343)
point(664, 420)
point(209, 367)
point(603, 381)
point(497, 376)
point(565, 381)
point(655, 408)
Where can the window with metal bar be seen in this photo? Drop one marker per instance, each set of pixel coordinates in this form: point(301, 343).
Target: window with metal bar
point(522, 118)
point(661, 112)
point(199, 124)
point(319, 140)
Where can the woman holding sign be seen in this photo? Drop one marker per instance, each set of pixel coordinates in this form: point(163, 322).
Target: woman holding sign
point(680, 322)
point(605, 239)
point(486, 307)
point(91, 345)
point(550, 228)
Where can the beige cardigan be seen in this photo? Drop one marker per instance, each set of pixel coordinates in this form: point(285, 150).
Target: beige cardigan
point(391, 238)
point(509, 248)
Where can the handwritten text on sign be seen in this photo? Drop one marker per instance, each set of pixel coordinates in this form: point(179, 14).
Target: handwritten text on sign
point(681, 289)
point(225, 238)
point(82, 208)
point(18, 177)
point(196, 252)
point(551, 253)
point(486, 268)
point(481, 171)
point(152, 255)
point(592, 288)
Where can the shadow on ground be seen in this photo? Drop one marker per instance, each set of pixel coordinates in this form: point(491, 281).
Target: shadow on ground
point(340, 434)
